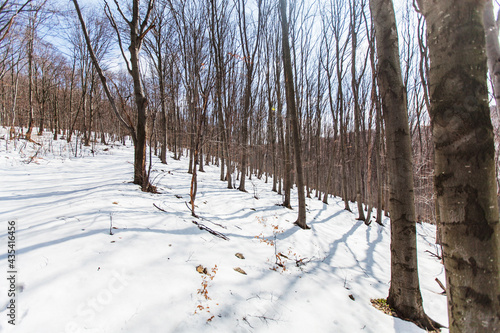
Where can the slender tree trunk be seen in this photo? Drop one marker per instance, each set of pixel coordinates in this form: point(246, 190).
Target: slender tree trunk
point(378, 160)
point(56, 114)
point(15, 88)
point(163, 116)
point(357, 116)
point(345, 195)
point(404, 293)
point(244, 133)
point(284, 141)
point(464, 163)
point(271, 127)
point(292, 112)
point(30, 80)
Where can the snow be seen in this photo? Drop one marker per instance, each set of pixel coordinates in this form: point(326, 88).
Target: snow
point(73, 276)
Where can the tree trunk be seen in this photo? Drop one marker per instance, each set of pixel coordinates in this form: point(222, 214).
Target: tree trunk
point(163, 116)
point(141, 103)
point(492, 48)
point(284, 141)
point(244, 133)
point(357, 116)
point(56, 114)
point(292, 113)
point(491, 27)
point(30, 79)
point(404, 292)
point(464, 163)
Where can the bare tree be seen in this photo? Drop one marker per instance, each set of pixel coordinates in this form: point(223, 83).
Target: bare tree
point(354, 27)
point(219, 14)
point(31, 29)
point(334, 67)
point(249, 58)
point(157, 46)
point(137, 29)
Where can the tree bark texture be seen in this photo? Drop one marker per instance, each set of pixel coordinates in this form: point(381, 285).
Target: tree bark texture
point(464, 163)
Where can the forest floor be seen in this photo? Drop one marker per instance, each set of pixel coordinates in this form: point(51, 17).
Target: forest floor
point(74, 276)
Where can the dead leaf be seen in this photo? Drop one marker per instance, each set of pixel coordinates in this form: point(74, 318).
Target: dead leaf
point(239, 255)
point(239, 270)
point(202, 270)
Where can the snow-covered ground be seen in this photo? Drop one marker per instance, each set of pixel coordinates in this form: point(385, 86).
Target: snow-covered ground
point(73, 276)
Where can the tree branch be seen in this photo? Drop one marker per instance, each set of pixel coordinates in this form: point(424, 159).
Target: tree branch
point(146, 19)
point(120, 11)
point(111, 19)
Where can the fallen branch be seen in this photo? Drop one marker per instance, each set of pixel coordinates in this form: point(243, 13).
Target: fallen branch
point(205, 219)
point(441, 285)
point(163, 210)
point(202, 226)
point(217, 224)
point(264, 318)
point(434, 254)
point(213, 232)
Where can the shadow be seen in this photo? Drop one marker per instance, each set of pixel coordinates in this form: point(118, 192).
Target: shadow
point(71, 195)
point(335, 244)
point(323, 209)
point(369, 260)
point(327, 219)
point(20, 251)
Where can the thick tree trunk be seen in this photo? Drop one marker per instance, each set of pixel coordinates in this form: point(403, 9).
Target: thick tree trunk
point(141, 102)
point(492, 48)
point(292, 112)
point(464, 163)
point(491, 27)
point(404, 292)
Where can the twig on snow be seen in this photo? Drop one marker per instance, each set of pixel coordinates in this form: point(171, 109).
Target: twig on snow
point(213, 232)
